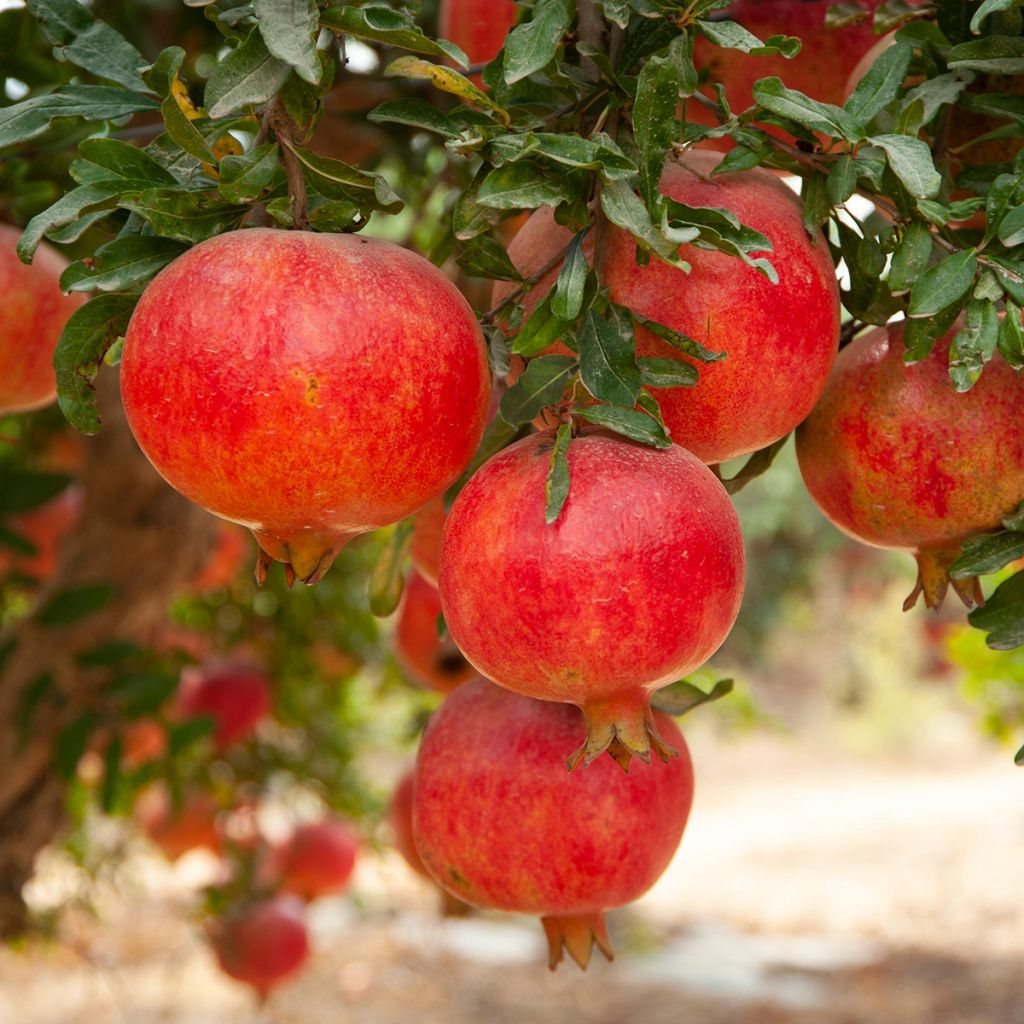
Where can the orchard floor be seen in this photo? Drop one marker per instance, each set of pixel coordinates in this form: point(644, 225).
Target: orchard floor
point(812, 887)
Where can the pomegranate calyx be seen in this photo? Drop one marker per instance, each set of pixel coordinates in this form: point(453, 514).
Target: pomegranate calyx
point(933, 580)
point(623, 730)
point(306, 556)
point(576, 934)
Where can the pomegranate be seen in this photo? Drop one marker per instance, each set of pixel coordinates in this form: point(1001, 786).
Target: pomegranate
point(636, 583)
point(235, 696)
point(429, 661)
point(263, 944)
point(45, 528)
point(33, 315)
point(895, 458)
point(499, 823)
point(143, 740)
point(479, 27)
point(426, 539)
point(318, 859)
point(193, 826)
point(323, 385)
point(224, 562)
point(780, 340)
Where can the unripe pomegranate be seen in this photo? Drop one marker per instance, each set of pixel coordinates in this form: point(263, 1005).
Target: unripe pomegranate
point(235, 696)
point(780, 340)
point(426, 540)
point(479, 27)
point(32, 315)
point(45, 528)
point(635, 584)
point(499, 823)
point(896, 458)
point(318, 859)
point(263, 944)
point(431, 662)
point(309, 386)
point(178, 831)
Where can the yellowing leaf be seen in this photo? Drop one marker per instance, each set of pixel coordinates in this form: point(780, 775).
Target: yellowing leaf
point(446, 80)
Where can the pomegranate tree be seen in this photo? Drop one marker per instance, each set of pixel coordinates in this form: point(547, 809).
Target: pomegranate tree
point(780, 340)
point(235, 696)
point(263, 944)
point(32, 315)
point(309, 386)
point(896, 458)
point(499, 823)
point(318, 859)
point(636, 583)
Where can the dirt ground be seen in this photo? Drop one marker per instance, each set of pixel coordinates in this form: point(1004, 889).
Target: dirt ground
point(812, 887)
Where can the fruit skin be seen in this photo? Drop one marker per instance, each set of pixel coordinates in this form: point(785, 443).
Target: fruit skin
point(499, 823)
point(635, 584)
point(426, 540)
point(432, 663)
point(32, 316)
point(780, 340)
point(361, 349)
point(479, 27)
point(193, 826)
point(895, 458)
point(237, 697)
point(45, 528)
point(318, 859)
point(263, 944)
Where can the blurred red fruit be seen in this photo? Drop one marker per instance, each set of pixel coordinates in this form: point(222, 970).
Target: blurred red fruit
point(235, 696)
point(318, 859)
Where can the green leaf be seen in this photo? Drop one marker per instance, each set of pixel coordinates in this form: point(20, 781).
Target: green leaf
point(1011, 228)
point(911, 162)
point(244, 179)
point(680, 697)
point(387, 579)
point(720, 229)
point(944, 283)
point(616, 11)
point(625, 209)
point(842, 180)
point(335, 179)
point(607, 361)
point(987, 553)
point(991, 7)
point(23, 490)
point(543, 383)
point(974, 344)
point(881, 83)
point(556, 486)
point(758, 464)
point(920, 335)
point(911, 257)
point(540, 330)
point(71, 743)
point(730, 35)
point(289, 28)
point(30, 118)
point(183, 735)
point(1002, 615)
point(680, 341)
point(1011, 336)
point(654, 121)
point(816, 205)
point(186, 216)
point(107, 159)
point(486, 257)
point(631, 423)
point(531, 46)
point(87, 335)
point(71, 206)
point(416, 113)
point(521, 187)
point(657, 372)
point(826, 118)
point(383, 25)
point(567, 297)
point(61, 20)
point(30, 698)
point(999, 55)
point(141, 693)
point(113, 778)
point(121, 265)
point(248, 75)
point(596, 153)
point(74, 604)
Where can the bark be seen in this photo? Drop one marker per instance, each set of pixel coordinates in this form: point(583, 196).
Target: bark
point(142, 538)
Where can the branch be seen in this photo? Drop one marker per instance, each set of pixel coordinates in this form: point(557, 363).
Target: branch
point(283, 128)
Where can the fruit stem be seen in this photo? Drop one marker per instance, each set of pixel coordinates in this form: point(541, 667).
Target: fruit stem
point(625, 729)
point(577, 934)
point(933, 580)
point(306, 556)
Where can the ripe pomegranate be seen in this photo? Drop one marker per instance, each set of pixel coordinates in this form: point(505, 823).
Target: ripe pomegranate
point(263, 944)
point(895, 458)
point(426, 539)
point(780, 340)
point(33, 315)
point(224, 562)
point(499, 823)
point(429, 661)
point(318, 859)
point(479, 27)
point(309, 386)
point(636, 583)
point(45, 528)
point(143, 740)
point(236, 696)
point(193, 826)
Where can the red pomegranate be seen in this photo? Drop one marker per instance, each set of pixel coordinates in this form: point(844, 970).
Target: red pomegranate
point(263, 944)
point(499, 823)
point(400, 817)
point(323, 385)
point(235, 696)
point(224, 562)
point(635, 584)
point(431, 662)
point(318, 859)
point(32, 316)
point(895, 458)
point(780, 340)
point(143, 740)
point(426, 539)
point(479, 27)
point(177, 831)
point(45, 528)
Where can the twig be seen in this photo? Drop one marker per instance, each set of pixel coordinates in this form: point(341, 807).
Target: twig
point(491, 314)
point(283, 128)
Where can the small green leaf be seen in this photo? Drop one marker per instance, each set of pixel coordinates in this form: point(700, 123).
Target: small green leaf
point(244, 179)
point(991, 7)
point(654, 121)
point(920, 335)
point(911, 162)
point(758, 464)
point(124, 264)
point(187, 216)
point(682, 342)
point(289, 28)
point(1011, 228)
point(248, 75)
point(540, 330)
point(631, 423)
point(141, 693)
point(74, 604)
point(567, 297)
point(543, 383)
point(987, 553)
point(911, 257)
point(113, 778)
point(842, 180)
point(183, 735)
point(974, 344)
point(486, 257)
point(826, 118)
point(335, 179)
point(1011, 336)
point(625, 209)
point(998, 55)
point(520, 186)
point(881, 83)
point(380, 24)
point(68, 209)
point(416, 113)
point(71, 743)
point(943, 284)
point(667, 373)
point(23, 490)
point(556, 486)
point(387, 579)
point(531, 46)
point(1002, 615)
point(607, 362)
point(680, 697)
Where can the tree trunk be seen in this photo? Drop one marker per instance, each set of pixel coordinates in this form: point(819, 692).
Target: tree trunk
point(142, 538)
